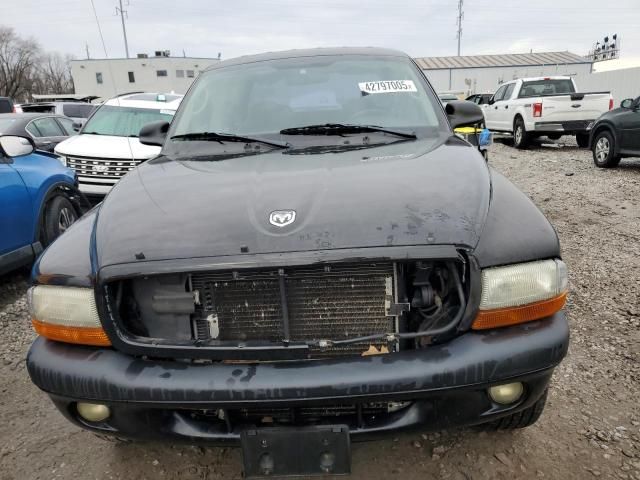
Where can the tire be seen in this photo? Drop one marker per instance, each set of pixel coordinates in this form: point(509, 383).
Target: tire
point(583, 140)
point(59, 215)
point(603, 149)
point(520, 135)
point(554, 136)
point(523, 419)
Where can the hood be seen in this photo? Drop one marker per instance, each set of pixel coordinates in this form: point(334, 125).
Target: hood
point(419, 192)
point(106, 146)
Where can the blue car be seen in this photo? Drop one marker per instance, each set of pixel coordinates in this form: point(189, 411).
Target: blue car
point(37, 201)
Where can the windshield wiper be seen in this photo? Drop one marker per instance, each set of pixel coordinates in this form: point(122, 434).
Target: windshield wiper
point(342, 128)
point(226, 137)
point(93, 133)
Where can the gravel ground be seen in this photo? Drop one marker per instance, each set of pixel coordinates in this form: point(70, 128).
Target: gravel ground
point(590, 428)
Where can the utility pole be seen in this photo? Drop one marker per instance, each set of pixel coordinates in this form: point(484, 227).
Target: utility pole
point(460, 17)
point(123, 13)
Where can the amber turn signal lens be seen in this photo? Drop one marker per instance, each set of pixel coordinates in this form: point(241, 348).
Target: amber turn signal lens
point(80, 335)
point(503, 317)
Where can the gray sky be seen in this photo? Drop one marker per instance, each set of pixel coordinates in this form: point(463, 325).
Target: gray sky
point(238, 27)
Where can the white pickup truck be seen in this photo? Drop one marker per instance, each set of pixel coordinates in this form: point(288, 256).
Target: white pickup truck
point(549, 106)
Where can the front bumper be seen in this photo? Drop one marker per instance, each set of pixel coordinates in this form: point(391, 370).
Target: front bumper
point(170, 399)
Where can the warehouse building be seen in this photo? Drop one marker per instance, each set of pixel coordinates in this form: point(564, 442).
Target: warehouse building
point(105, 78)
point(466, 75)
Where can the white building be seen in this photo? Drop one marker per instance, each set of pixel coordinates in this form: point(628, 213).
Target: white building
point(105, 78)
point(483, 73)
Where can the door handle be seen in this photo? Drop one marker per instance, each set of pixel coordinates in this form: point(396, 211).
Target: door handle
point(495, 108)
point(506, 106)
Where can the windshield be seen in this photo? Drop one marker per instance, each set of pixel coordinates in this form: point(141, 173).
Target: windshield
point(538, 88)
point(123, 121)
point(263, 98)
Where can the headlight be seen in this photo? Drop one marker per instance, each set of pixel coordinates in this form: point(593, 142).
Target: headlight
point(66, 314)
point(63, 160)
point(521, 293)
point(590, 125)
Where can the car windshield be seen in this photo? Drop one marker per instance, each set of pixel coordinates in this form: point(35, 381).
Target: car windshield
point(537, 88)
point(123, 121)
point(273, 99)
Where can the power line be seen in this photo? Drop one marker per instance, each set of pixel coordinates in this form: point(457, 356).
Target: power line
point(459, 23)
point(123, 13)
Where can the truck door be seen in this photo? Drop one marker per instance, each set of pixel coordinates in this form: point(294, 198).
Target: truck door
point(491, 115)
point(505, 111)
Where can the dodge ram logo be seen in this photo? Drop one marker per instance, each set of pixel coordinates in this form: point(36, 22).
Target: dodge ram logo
point(282, 218)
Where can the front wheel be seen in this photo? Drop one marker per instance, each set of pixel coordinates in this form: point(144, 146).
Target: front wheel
point(604, 150)
point(58, 216)
point(520, 135)
point(583, 140)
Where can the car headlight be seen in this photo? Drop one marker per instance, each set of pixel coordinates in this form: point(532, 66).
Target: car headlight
point(521, 293)
point(590, 125)
point(63, 160)
point(66, 314)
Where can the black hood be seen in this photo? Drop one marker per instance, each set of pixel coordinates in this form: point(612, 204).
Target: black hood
point(408, 193)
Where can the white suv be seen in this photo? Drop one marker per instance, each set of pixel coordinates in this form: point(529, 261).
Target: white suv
point(107, 147)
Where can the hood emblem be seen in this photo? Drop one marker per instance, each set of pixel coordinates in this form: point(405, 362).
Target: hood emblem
point(282, 218)
point(100, 168)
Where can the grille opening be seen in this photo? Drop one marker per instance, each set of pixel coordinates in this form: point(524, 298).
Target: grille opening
point(356, 415)
point(329, 309)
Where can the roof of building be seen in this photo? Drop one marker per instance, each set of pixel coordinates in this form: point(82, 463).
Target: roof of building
point(506, 60)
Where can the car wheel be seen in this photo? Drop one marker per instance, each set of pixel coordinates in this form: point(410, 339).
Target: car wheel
point(603, 150)
point(58, 217)
point(525, 418)
point(520, 135)
point(583, 140)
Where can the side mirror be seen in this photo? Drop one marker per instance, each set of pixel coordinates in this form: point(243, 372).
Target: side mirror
point(76, 126)
point(13, 146)
point(463, 114)
point(491, 101)
point(627, 103)
point(154, 133)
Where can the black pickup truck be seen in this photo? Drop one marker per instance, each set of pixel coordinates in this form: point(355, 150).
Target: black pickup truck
point(313, 258)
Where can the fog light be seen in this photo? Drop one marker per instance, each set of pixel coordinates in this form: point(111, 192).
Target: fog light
point(93, 412)
point(507, 393)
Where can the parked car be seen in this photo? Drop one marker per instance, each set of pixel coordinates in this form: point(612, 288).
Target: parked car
point(6, 105)
point(551, 106)
point(616, 134)
point(47, 131)
point(480, 98)
point(314, 257)
point(78, 112)
point(107, 146)
point(446, 98)
point(37, 201)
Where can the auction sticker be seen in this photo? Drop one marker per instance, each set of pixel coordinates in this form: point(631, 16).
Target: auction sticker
point(388, 86)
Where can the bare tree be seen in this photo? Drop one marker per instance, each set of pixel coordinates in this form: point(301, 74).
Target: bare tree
point(19, 60)
point(54, 74)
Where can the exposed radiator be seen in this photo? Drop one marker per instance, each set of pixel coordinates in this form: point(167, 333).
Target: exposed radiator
point(322, 302)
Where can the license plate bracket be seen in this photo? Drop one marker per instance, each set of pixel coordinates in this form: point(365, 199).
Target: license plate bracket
point(296, 451)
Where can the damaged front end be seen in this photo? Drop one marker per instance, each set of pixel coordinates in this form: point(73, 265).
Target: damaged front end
point(283, 313)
